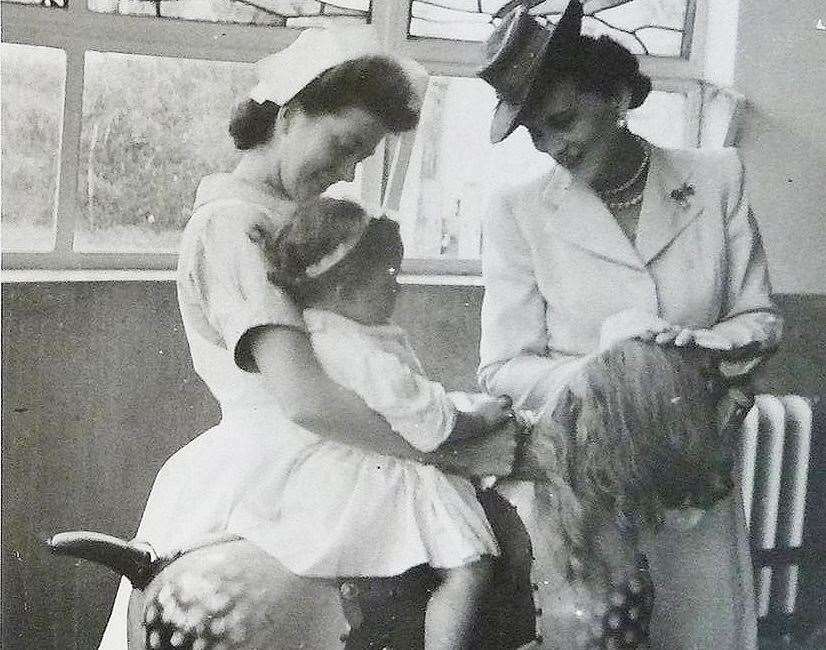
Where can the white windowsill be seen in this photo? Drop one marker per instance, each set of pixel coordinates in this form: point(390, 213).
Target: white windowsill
point(121, 275)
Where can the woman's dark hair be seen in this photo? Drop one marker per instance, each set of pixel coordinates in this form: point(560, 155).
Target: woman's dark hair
point(596, 65)
point(377, 84)
point(317, 230)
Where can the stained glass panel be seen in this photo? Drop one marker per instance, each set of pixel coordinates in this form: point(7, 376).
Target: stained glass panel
point(52, 4)
point(653, 27)
point(283, 13)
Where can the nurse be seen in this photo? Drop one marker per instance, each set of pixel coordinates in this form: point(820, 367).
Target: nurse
point(320, 107)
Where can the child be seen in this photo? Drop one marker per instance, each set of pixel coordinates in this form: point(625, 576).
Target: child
point(364, 514)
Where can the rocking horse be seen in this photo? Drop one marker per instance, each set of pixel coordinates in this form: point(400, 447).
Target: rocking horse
point(644, 432)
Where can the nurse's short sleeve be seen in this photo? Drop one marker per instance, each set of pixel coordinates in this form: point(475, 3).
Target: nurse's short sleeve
point(227, 270)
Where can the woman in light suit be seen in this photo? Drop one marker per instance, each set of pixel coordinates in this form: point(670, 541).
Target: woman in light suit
point(621, 239)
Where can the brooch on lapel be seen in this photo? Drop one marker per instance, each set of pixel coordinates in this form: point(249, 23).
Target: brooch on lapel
point(682, 194)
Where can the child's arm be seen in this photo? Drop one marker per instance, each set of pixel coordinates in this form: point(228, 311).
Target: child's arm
point(312, 400)
point(389, 381)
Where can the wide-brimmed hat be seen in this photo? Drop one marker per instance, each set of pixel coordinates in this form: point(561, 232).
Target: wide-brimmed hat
point(515, 53)
point(281, 76)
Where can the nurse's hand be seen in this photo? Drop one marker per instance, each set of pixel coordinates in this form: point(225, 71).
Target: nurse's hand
point(490, 455)
point(634, 324)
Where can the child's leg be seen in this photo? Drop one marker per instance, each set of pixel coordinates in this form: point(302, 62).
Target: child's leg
point(454, 606)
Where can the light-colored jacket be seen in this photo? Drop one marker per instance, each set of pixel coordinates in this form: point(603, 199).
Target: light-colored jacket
point(556, 264)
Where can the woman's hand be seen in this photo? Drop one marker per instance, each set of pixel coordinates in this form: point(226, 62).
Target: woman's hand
point(490, 455)
point(703, 338)
point(634, 324)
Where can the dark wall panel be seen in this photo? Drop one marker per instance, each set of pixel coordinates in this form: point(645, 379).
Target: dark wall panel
point(98, 391)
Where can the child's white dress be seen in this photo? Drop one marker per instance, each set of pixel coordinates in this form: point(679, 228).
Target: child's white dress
point(343, 511)
point(319, 508)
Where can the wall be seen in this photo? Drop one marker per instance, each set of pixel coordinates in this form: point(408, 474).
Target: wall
point(98, 391)
point(781, 69)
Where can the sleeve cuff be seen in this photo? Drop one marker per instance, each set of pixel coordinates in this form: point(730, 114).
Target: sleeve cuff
point(237, 328)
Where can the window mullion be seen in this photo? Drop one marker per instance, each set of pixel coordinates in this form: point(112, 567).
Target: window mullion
point(68, 204)
point(390, 20)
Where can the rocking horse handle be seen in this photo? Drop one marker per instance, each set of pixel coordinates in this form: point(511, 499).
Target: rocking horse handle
point(135, 560)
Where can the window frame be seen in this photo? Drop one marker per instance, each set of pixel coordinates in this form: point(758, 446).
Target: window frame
point(76, 29)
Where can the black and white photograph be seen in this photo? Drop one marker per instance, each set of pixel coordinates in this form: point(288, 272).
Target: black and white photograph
point(413, 324)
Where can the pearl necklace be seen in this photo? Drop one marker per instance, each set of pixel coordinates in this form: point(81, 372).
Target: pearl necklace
point(646, 157)
point(623, 205)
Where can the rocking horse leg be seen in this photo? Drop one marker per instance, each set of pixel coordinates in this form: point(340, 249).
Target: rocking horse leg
point(702, 577)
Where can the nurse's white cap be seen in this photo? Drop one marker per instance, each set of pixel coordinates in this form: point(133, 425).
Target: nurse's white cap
point(281, 76)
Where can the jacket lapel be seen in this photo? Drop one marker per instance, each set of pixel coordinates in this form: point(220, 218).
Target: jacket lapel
point(574, 213)
point(669, 205)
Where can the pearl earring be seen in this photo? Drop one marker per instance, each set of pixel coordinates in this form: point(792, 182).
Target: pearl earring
point(622, 122)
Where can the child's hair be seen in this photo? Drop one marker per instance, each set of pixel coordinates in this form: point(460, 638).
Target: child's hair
point(320, 227)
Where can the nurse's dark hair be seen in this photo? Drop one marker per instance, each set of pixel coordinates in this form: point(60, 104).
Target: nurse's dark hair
point(316, 230)
point(598, 65)
point(376, 84)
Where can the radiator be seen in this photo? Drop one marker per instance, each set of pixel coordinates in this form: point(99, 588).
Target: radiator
point(775, 462)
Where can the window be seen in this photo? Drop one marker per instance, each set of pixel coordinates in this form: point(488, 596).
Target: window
point(444, 196)
point(654, 27)
point(33, 80)
point(113, 110)
point(278, 13)
point(149, 122)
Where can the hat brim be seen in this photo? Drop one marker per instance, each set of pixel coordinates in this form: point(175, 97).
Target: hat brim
point(505, 120)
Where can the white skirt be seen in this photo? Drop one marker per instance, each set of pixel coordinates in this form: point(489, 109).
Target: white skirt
point(320, 508)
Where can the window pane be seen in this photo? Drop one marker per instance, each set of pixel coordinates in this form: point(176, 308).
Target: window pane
point(152, 128)
point(654, 27)
point(32, 107)
point(661, 119)
point(454, 169)
point(283, 13)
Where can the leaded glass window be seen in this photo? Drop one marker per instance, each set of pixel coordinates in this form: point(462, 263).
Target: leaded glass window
point(652, 27)
point(282, 13)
